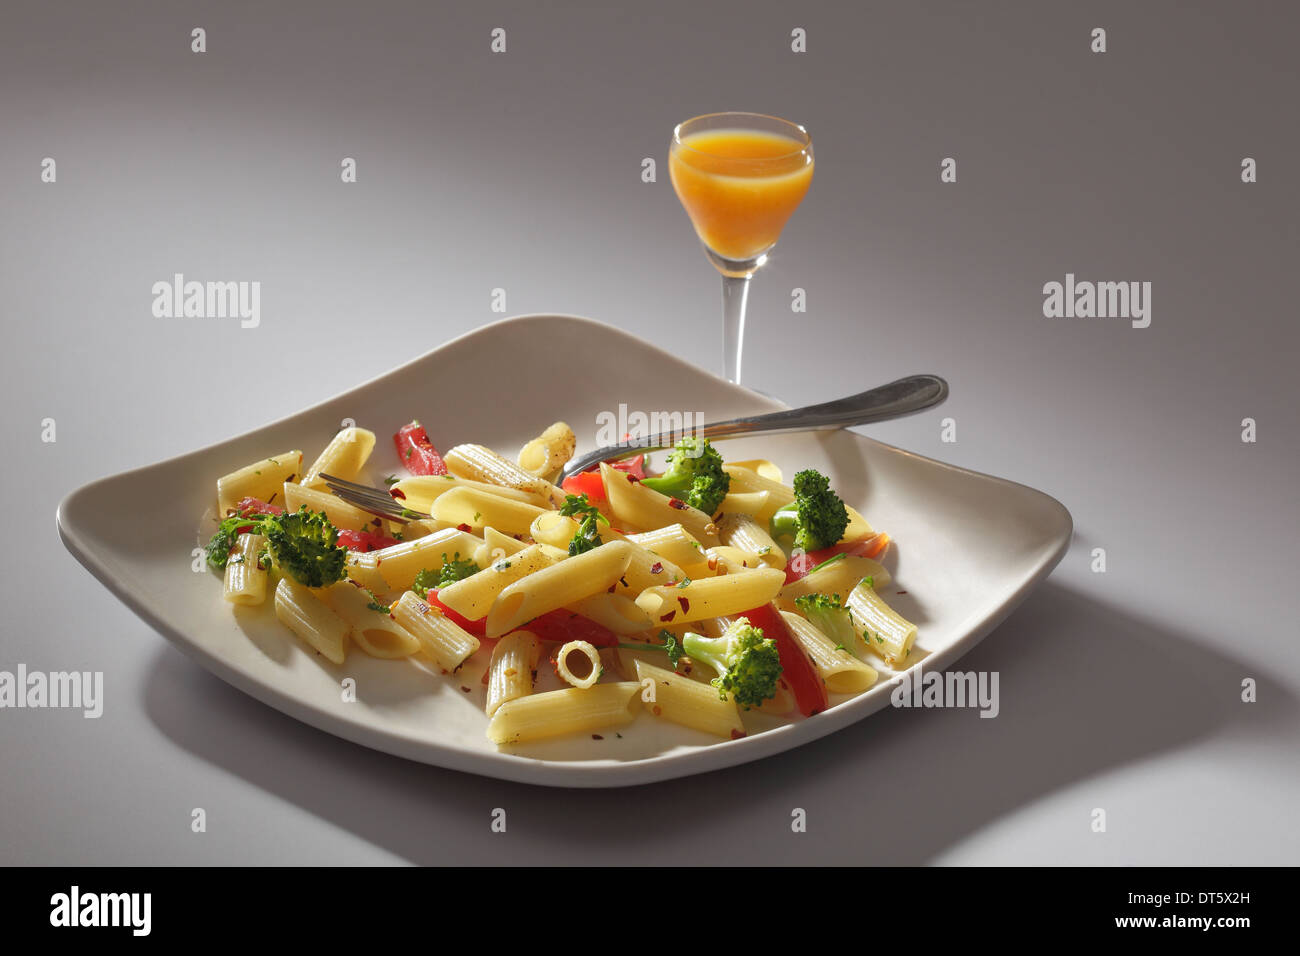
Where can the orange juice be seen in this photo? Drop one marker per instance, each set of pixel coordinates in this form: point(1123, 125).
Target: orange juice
point(740, 186)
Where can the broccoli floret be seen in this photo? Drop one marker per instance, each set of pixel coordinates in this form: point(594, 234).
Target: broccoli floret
point(453, 569)
point(223, 542)
point(587, 536)
point(304, 545)
point(694, 475)
point(747, 663)
point(816, 518)
point(829, 615)
point(671, 646)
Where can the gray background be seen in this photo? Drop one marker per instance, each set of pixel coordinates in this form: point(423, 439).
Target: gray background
point(1119, 690)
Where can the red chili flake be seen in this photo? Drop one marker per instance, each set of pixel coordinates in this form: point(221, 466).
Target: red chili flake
point(900, 592)
point(677, 503)
point(669, 616)
point(612, 587)
point(397, 493)
point(463, 527)
point(597, 737)
point(656, 710)
point(464, 688)
point(633, 478)
point(657, 567)
point(737, 734)
point(686, 605)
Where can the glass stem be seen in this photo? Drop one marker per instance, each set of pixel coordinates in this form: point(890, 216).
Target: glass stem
point(735, 294)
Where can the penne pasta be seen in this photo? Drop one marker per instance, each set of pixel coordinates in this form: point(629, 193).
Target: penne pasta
point(725, 559)
point(557, 530)
point(743, 532)
point(245, 581)
point(545, 455)
point(885, 631)
point(558, 713)
point(441, 639)
point(745, 502)
point(746, 480)
point(618, 612)
point(262, 479)
point(483, 464)
point(478, 509)
point(340, 513)
point(578, 663)
point(301, 611)
point(838, 667)
point(560, 584)
point(363, 569)
point(837, 577)
point(636, 506)
point(496, 546)
point(473, 596)
point(343, 457)
point(688, 702)
point(398, 564)
point(373, 630)
point(674, 544)
point(711, 597)
point(419, 493)
point(512, 669)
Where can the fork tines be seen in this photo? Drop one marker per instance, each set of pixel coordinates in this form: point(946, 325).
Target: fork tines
point(374, 501)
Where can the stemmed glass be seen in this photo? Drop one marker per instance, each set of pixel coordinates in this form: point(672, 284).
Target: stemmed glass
point(739, 177)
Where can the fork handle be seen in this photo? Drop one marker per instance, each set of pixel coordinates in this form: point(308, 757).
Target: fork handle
point(894, 400)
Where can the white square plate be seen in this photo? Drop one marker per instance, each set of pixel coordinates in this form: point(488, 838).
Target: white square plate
point(968, 548)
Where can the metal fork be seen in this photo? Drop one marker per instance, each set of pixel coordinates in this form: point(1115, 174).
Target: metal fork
point(906, 396)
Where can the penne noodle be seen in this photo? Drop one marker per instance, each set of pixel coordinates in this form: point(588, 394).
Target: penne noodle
point(578, 663)
point(478, 509)
point(674, 544)
point(299, 609)
point(884, 630)
point(634, 505)
point(743, 532)
point(842, 672)
point(373, 630)
point(545, 455)
point(262, 479)
point(560, 584)
point(441, 639)
point(495, 547)
point(688, 702)
point(560, 712)
point(363, 568)
point(483, 464)
point(745, 502)
point(245, 581)
point(340, 513)
point(858, 527)
point(344, 457)
point(557, 530)
point(398, 564)
point(472, 597)
point(512, 669)
point(420, 492)
point(763, 467)
point(745, 480)
point(711, 597)
point(618, 612)
point(725, 559)
point(838, 577)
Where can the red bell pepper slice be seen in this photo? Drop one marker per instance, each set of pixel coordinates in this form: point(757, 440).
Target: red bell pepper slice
point(416, 452)
point(246, 507)
point(364, 540)
point(801, 564)
point(809, 688)
point(587, 483)
point(634, 466)
point(561, 626)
